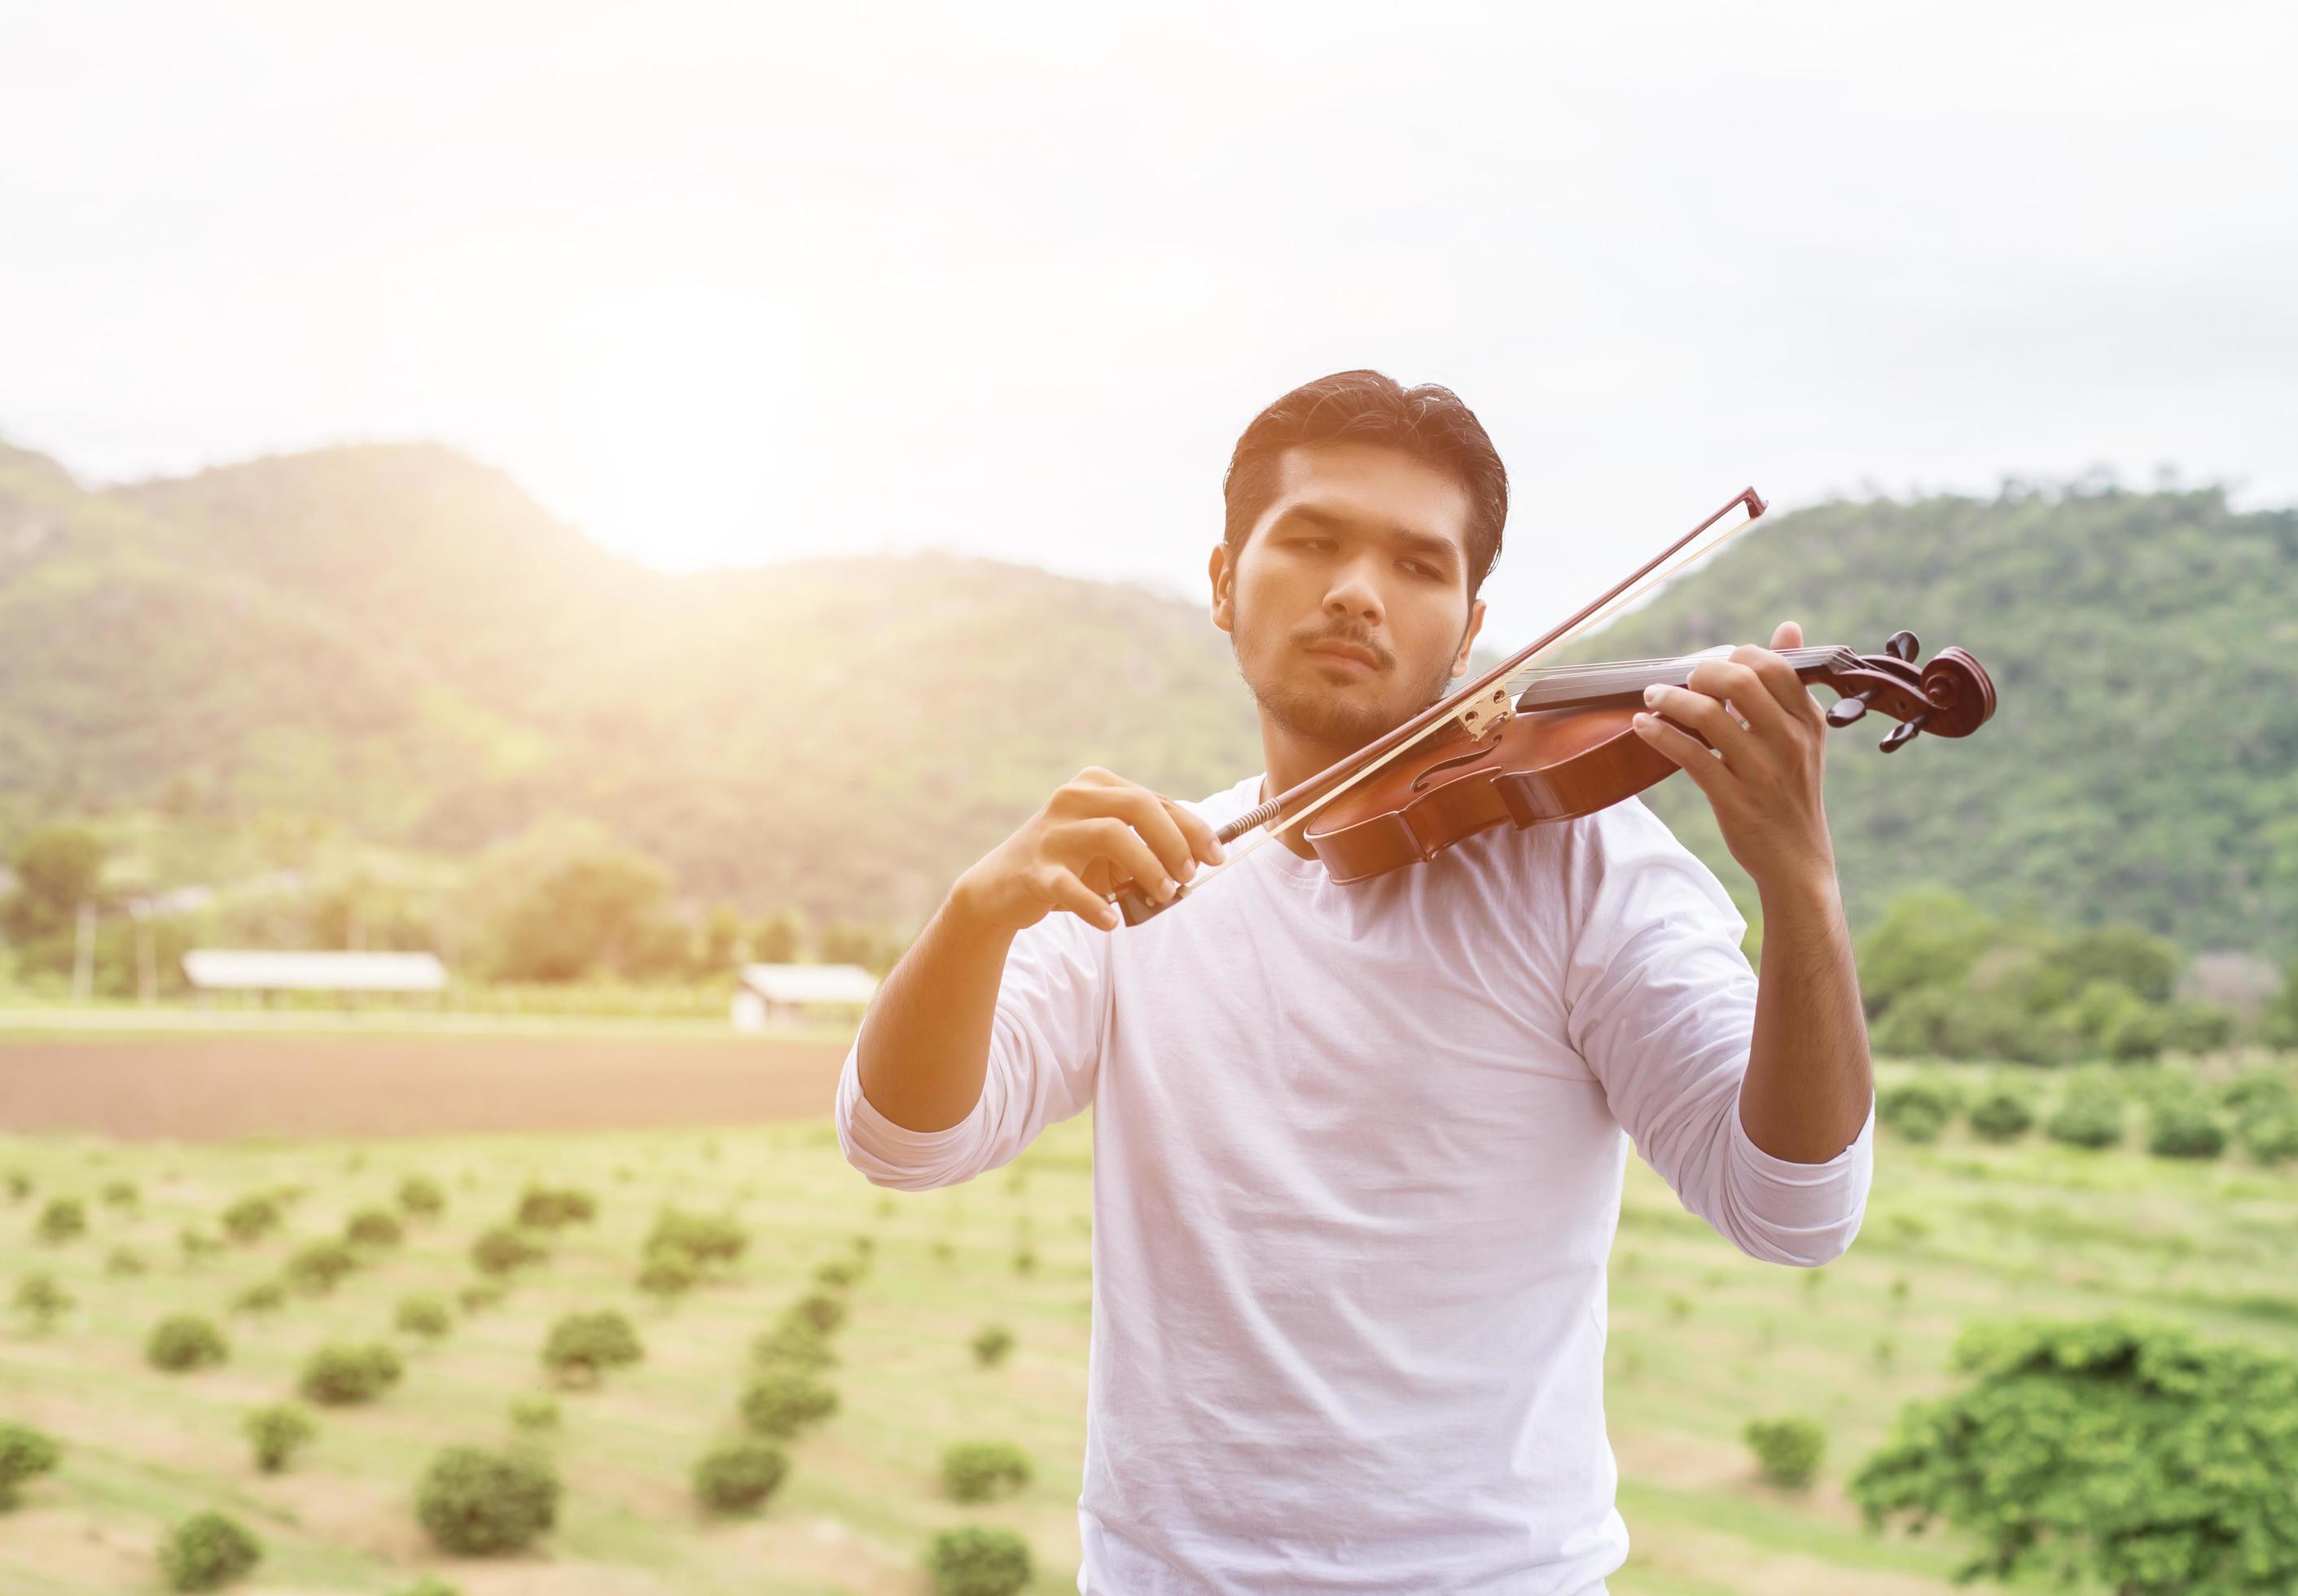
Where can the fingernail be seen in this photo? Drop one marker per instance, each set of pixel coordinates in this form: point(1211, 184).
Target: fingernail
point(1220, 853)
point(1170, 885)
point(1188, 869)
point(1651, 694)
point(1641, 720)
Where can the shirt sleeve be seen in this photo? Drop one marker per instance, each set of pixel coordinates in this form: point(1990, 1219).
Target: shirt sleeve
point(1662, 1005)
point(1045, 1040)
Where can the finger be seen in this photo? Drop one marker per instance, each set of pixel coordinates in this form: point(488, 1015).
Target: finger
point(1752, 701)
point(1062, 887)
point(1789, 635)
point(1699, 762)
point(1204, 842)
point(1115, 840)
point(1779, 680)
point(1704, 713)
point(1147, 813)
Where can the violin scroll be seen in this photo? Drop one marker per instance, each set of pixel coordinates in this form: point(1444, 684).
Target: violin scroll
point(1951, 697)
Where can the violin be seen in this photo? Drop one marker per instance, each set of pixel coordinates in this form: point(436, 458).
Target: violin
point(1526, 744)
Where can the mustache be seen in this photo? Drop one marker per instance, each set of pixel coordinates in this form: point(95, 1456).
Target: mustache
point(1363, 640)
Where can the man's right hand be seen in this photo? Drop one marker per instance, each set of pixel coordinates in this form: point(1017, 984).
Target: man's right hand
point(1096, 832)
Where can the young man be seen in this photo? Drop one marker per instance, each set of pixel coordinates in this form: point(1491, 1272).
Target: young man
point(1358, 1150)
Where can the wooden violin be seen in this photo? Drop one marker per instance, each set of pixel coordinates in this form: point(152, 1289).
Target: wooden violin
point(1525, 744)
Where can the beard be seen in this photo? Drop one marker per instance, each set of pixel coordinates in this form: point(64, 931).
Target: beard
point(1329, 719)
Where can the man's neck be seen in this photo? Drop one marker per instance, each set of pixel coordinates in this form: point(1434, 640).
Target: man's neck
point(1289, 762)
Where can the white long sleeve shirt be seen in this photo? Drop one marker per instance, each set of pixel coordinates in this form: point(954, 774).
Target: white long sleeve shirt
point(1357, 1159)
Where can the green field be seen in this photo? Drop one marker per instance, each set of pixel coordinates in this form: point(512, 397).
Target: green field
point(1701, 1340)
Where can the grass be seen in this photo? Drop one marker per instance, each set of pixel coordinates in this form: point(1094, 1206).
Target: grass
point(1702, 1339)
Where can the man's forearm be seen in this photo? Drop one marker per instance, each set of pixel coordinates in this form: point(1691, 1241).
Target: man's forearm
point(924, 1043)
point(1809, 1080)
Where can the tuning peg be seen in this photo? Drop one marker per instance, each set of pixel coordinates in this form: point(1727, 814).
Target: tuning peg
point(1902, 645)
point(1906, 731)
point(1845, 710)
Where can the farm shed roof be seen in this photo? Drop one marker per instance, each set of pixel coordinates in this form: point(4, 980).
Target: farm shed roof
point(215, 970)
point(810, 983)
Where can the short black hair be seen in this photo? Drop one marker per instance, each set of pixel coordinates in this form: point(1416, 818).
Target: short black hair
point(1428, 422)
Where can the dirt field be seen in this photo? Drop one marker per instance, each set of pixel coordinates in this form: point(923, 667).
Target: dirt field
point(215, 1088)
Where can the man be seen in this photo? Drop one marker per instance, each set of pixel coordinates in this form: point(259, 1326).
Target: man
point(1358, 1150)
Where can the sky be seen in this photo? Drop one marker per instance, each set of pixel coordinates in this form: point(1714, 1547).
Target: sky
point(727, 285)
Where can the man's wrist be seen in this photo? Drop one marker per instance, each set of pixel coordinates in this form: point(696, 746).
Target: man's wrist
point(1800, 894)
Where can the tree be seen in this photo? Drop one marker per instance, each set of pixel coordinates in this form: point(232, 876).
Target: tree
point(2127, 1454)
point(564, 899)
point(1928, 939)
point(779, 938)
point(2123, 954)
point(57, 870)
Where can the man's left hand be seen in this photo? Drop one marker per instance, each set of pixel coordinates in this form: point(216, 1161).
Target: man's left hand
point(1763, 773)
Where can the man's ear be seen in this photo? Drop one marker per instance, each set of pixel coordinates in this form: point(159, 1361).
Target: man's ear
point(1468, 638)
point(1224, 579)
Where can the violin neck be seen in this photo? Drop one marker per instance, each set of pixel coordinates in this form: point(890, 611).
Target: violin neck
point(1597, 685)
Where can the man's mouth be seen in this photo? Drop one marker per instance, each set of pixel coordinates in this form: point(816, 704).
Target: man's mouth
point(1350, 657)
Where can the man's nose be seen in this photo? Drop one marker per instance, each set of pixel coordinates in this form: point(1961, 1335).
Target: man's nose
point(1353, 596)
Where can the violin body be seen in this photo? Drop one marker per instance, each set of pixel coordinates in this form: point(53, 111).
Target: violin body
point(1569, 749)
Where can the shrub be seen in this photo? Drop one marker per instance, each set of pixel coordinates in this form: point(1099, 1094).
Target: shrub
point(2271, 1139)
point(25, 1453)
point(125, 1261)
point(2184, 1129)
point(582, 1346)
point(668, 1273)
point(505, 1248)
point(1025, 1261)
point(265, 1297)
point(41, 1300)
point(481, 1503)
point(20, 1186)
point(991, 1344)
point(422, 1196)
point(545, 1208)
point(703, 1239)
point(315, 1267)
point(373, 1227)
point(977, 1559)
point(783, 1401)
point(424, 1314)
point(2003, 1115)
point(1787, 1449)
point(430, 1584)
point(251, 1218)
point(795, 1343)
point(339, 1375)
point(207, 1551)
point(1916, 1110)
point(120, 1193)
point(738, 1477)
point(2119, 1455)
point(819, 1308)
point(197, 1244)
point(62, 1220)
point(184, 1341)
point(977, 1470)
point(839, 1273)
point(2089, 1115)
point(278, 1433)
point(534, 1413)
point(480, 1294)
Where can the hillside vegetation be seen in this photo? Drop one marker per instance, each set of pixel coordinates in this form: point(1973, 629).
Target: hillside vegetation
point(397, 639)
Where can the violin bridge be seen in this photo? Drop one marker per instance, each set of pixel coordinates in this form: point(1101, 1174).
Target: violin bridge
point(1486, 712)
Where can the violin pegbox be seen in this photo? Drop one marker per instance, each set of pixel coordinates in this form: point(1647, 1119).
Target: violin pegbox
point(1950, 696)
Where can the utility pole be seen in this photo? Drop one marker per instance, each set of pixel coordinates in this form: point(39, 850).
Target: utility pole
point(84, 954)
point(147, 960)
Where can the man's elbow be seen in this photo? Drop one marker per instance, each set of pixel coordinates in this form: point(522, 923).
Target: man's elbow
point(1799, 1246)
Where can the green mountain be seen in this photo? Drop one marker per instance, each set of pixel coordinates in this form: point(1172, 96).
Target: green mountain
point(396, 638)
point(2142, 763)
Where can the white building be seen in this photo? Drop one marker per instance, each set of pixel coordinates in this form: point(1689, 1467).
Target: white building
point(785, 993)
point(213, 970)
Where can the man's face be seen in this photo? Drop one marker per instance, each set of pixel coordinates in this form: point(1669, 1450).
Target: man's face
point(1362, 551)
